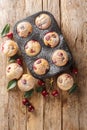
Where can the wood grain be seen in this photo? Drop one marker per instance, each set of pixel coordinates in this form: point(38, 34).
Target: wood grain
point(73, 25)
point(52, 107)
point(68, 112)
point(35, 120)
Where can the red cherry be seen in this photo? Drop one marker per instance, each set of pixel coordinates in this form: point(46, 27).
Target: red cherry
point(41, 83)
point(55, 93)
point(9, 35)
point(75, 71)
point(30, 108)
point(19, 61)
point(45, 93)
point(25, 102)
point(47, 38)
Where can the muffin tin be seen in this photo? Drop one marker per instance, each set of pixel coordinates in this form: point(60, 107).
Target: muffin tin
point(46, 51)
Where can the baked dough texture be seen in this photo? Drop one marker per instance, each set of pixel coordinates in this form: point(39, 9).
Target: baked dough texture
point(41, 66)
point(43, 21)
point(26, 82)
point(60, 57)
point(14, 71)
point(9, 48)
point(32, 48)
point(24, 29)
point(65, 81)
point(51, 39)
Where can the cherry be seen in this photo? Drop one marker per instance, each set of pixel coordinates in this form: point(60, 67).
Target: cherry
point(75, 71)
point(9, 35)
point(55, 93)
point(19, 61)
point(32, 51)
point(45, 93)
point(30, 108)
point(24, 81)
point(25, 102)
point(38, 61)
point(41, 83)
point(48, 38)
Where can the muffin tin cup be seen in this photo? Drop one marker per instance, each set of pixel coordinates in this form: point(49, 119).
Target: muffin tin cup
point(46, 51)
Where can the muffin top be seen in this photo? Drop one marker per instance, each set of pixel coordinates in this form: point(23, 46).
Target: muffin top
point(51, 39)
point(14, 71)
point(60, 57)
point(24, 29)
point(41, 66)
point(65, 81)
point(43, 21)
point(9, 47)
point(26, 82)
point(32, 48)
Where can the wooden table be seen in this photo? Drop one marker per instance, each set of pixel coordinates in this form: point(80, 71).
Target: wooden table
point(68, 112)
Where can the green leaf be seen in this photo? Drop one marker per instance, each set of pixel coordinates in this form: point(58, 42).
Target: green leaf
point(39, 89)
point(5, 30)
point(12, 84)
point(13, 58)
point(28, 94)
point(73, 89)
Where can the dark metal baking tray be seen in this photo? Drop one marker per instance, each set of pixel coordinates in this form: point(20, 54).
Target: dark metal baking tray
point(46, 52)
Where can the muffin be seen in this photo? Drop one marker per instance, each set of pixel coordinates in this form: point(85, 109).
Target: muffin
point(43, 21)
point(32, 48)
point(14, 71)
point(51, 39)
point(9, 48)
point(40, 66)
point(65, 81)
point(24, 29)
point(60, 57)
point(26, 82)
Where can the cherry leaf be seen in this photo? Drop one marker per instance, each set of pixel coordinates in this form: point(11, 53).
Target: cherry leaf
point(29, 93)
point(5, 30)
point(12, 84)
point(39, 89)
point(73, 89)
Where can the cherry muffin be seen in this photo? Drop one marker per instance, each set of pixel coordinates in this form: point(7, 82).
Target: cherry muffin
point(26, 82)
point(43, 21)
point(41, 66)
point(9, 48)
point(65, 81)
point(32, 48)
point(60, 57)
point(51, 39)
point(14, 71)
point(24, 29)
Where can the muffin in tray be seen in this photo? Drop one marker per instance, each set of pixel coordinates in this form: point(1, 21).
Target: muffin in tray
point(45, 50)
point(32, 48)
point(9, 48)
point(24, 29)
point(14, 71)
point(43, 21)
point(51, 39)
point(41, 66)
point(65, 81)
point(26, 82)
point(60, 57)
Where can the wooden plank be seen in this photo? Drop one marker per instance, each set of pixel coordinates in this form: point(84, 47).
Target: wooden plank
point(73, 17)
point(3, 93)
point(52, 106)
point(35, 120)
point(15, 113)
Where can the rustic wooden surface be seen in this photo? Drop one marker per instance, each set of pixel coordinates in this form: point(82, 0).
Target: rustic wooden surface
point(67, 112)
